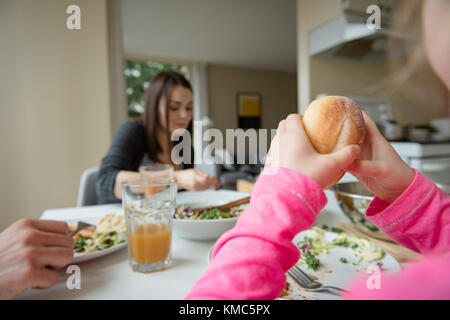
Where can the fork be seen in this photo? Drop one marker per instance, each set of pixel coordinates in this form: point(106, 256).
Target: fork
point(81, 225)
point(306, 282)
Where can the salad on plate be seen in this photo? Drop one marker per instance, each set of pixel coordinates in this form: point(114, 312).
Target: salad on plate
point(310, 247)
point(186, 213)
point(109, 232)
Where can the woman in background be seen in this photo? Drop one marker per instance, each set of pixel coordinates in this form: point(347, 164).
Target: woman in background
point(168, 107)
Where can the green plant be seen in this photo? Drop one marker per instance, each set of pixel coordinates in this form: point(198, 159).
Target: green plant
point(138, 75)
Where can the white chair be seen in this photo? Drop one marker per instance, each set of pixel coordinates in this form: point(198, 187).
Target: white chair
point(87, 195)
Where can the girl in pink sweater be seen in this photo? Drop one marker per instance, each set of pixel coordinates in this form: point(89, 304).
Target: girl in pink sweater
point(250, 261)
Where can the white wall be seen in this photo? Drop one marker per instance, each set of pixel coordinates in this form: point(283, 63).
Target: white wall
point(246, 33)
point(277, 89)
point(310, 14)
point(54, 103)
point(420, 98)
point(278, 92)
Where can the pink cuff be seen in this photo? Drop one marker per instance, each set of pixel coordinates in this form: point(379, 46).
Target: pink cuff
point(387, 215)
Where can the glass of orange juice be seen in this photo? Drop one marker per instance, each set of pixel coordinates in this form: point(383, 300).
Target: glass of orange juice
point(149, 222)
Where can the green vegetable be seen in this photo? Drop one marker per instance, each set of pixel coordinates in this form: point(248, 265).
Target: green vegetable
point(371, 228)
point(308, 240)
point(359, 262)
point(109, 244)
point(79, 243)
point(311, 261)
point(182, 212)
point(344, 244)
point(336, 230)
point(312, 246)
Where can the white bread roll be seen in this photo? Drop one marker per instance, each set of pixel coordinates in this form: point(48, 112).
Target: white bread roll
point(332, 123)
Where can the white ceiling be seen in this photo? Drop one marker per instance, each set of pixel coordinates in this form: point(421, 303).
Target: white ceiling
point(247, 33)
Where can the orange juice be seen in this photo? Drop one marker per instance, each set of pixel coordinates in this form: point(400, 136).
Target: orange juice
point(150, 243)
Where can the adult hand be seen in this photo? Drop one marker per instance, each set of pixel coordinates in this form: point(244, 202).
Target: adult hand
point(292, 149)
point(195, 180)
point(30, 252)
point(380, 168)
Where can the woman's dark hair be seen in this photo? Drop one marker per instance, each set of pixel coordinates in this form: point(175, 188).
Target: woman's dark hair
point(161, 85)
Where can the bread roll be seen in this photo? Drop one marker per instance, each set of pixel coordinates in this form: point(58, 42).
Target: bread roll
point(332, 123)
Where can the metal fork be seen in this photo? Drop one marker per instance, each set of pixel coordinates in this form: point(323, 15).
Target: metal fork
point(306, 282)
point(81, 225)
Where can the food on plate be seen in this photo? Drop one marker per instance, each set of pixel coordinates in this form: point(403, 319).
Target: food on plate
point(110, 231)
point(86, 232)
point(112, 222)
point(285, 290)
point(333, 122)
point(98, 241)
point(311, 247)
point(186, 213)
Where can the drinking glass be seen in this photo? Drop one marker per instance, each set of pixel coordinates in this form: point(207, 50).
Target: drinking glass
point(149, 206)
point(156, 170)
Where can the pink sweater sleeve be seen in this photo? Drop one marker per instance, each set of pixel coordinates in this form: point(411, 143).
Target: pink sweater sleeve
point(250, 260)
point(420, 220)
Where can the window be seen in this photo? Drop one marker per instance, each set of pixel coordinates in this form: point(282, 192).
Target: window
point(138, 75)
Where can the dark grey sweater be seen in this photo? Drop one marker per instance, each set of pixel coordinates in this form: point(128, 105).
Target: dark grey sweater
point(126, 153)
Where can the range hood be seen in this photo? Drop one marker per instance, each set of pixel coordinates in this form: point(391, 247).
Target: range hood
point(348, 37)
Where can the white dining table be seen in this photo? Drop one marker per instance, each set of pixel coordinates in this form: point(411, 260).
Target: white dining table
point(111, 277)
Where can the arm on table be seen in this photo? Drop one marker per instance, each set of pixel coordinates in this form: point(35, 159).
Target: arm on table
point(250, 261)
point(127, 146)
point(420, 220)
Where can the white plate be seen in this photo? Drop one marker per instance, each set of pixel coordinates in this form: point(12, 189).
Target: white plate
point(331, 271)
point(82, 257)
point(205, 229)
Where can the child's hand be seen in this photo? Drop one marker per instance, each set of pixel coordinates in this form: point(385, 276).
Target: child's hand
point(381, 169)
point(292, 149)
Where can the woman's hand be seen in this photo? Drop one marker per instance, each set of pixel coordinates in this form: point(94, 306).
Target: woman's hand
point(380, 168)
point(194, 180)
point(292, 149)
point(30, 253)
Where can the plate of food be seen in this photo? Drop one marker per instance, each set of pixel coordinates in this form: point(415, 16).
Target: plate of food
point(333, 257)
point(209, 224)
point(105, 237)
